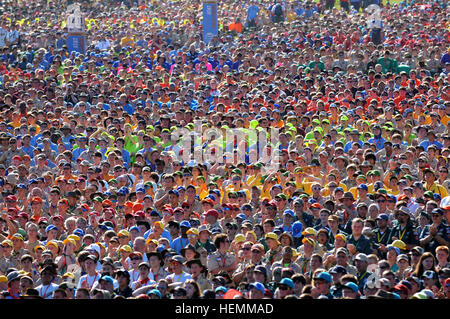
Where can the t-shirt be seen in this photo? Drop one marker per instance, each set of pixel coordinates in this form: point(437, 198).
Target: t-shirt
point(87, 281)
point(179, 278)
point(46, 291)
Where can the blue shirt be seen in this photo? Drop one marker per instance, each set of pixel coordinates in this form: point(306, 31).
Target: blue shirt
point(348, 146)
point(179, 243)
point(378, 142)
point(252, 12)
point(427, 143)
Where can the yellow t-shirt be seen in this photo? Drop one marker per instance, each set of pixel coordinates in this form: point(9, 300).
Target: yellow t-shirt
point(437, 189)
point(326, 191)
point(306, 186)
point(127, 42)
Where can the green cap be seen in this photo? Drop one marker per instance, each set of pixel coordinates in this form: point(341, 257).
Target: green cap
point(376, 172)
point(429, 194)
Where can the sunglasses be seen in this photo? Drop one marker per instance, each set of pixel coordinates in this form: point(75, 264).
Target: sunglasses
point(246, 248)
point(381, 201)
point(283, 287)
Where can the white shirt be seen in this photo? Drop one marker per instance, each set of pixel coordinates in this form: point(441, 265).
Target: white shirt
point(91, 280)
point(134, 275)
point(46, 291)
point(103, 45)
point(179, 278)
point(150, 282)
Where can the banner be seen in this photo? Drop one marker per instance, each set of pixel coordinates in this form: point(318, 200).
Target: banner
point(76, 43)
point(209, 20)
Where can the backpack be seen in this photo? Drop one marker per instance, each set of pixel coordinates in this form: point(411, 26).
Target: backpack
point(277, 10)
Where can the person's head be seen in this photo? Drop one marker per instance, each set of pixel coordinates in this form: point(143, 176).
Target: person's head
point(350, 290)
point(82, 293)
point(322, 281)
point(256, 290)
point(221, 242)
point(179, 293)
point(285, 287)
point(192, 289)
point(361, 262)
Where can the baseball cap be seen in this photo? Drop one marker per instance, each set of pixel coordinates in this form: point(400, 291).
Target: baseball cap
point(324, 276)
point(258, 286)
point(288, 282)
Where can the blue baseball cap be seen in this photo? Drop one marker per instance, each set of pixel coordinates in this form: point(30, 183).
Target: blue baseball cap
point(155, 292)
point(136, 228)
point(241, 216)
point(123, 190)
point(289, 212)
point(288, 282)
point(338, 269)
point(383, 217)
point(185, 223)
point(363, 186)
point(175, 192)
point(140, 190)
point(352, 286)
point(107, 278)
point(79, 232)
point(324, 276)
point(297, 228)
point(221, 288)
point(50, 227)
point(258, 286)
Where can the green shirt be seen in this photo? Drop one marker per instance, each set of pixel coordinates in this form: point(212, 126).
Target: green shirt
point(319, 64)
point(388, 65)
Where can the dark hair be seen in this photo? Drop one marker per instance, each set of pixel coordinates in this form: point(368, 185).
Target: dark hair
point(219, 238)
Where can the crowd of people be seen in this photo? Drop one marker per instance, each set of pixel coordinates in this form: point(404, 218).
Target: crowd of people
point(101, 199)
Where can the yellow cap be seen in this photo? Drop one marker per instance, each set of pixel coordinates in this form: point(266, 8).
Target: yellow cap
point(310, 241)
point(193, 231)
point(251, 232)
point(341, 236)
point(154, 241)
point(159, 224)
point(7, 242)
point(52, 243)
point(399, 244)
point(309, 231)
point(239, 238)
point(123, 233)
point(69, 240)
point(75, 237)
point(39, 247)
point(126, 248)
point(3, 279)
point(272, 236)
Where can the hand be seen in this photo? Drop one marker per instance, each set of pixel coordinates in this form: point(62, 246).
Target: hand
point(433, 230)
point(330, 259)
point(351, 249)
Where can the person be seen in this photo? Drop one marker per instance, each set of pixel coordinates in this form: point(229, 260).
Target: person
point(361, 263)
point(221, 260)
point(435, 234)
point(322, 283)
point(130, 137)
point(47, 286)
point(177, 274)
point(256, 291)
point(123, 280)
point(92, 276)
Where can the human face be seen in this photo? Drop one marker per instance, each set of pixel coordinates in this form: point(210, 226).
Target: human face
point(427, 263)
